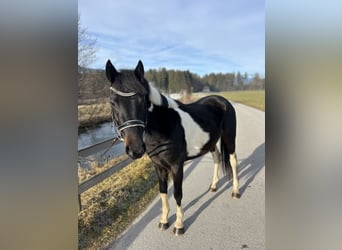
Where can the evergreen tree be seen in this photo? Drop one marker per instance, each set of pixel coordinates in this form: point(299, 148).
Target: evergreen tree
point(239, 81)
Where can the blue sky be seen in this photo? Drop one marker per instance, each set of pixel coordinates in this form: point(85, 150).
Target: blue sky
point(200, 36)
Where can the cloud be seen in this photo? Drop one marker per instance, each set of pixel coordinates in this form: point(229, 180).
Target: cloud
point(201, 36)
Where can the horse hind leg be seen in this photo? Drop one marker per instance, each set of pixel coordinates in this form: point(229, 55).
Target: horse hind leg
point(230, 162)
point(233, 163)
point(216, 157)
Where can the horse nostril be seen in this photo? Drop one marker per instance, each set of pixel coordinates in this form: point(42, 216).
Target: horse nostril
point(135, 153)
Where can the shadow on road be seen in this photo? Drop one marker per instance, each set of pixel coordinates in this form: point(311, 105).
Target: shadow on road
point(251, 166)
point(248, 169)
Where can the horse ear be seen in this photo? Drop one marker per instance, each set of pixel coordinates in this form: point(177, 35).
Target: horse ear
point(139, 70)
point(111, 72)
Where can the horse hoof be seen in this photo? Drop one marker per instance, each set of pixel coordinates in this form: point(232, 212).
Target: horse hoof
point(163, 226)
point(211, 189)
point(178, 231)
point(236, 195)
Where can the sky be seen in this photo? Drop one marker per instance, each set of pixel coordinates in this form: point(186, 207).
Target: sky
point(200, 36)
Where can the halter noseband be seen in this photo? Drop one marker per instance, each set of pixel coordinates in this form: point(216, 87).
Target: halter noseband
point(129, 123)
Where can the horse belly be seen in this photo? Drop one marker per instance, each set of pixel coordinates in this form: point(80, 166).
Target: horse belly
point(195, 136)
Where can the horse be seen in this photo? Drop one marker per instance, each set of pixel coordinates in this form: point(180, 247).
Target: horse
point(172, 133)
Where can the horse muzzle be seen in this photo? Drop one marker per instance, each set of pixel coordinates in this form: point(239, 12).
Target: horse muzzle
point(135, 152)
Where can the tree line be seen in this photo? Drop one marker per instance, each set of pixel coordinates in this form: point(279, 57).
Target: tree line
point(93, 84)
point(175, 81)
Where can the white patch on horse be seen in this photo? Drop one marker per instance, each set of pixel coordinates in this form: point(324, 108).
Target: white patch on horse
point(172, 103)
point(150, 109)
point(156, 99)
point(195, 137)
point(155, 96)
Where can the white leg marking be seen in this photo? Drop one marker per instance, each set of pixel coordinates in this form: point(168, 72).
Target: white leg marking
point(194, 135)
point(179, 220)
point(216, 158)
point(165, 208)
point(232, 160)
point(215, 176)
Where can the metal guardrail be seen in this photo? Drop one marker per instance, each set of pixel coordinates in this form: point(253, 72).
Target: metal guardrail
point(95, 148)
point(85, 185)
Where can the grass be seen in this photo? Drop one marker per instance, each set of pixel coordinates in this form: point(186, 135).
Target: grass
point(92, 114)
point(112, 205)
point(252, 98)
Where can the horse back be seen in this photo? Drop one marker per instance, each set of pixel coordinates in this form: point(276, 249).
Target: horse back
point(210, 112)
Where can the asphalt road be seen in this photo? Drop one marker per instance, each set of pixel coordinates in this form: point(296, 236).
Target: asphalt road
point(213, 220)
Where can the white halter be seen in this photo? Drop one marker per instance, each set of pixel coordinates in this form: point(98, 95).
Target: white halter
point(122, 93)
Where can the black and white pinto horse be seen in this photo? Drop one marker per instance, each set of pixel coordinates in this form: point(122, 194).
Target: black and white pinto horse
point(171, 132)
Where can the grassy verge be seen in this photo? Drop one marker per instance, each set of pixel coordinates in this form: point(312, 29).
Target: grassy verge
point(253, 98)
point(111, 206)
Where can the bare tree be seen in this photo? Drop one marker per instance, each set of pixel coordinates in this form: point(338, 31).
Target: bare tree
point(89, 81)
point(86, 55)
point(86, 46)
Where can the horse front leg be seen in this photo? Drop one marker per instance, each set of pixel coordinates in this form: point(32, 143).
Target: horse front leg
point(163, 177)
point(177, 174)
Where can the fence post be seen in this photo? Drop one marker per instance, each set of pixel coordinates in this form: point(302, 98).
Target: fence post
point(79, 203)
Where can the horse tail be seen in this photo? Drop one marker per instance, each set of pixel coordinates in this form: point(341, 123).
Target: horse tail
point(228, 140)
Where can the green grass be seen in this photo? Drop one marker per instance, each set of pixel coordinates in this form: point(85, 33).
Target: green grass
point(252, 98)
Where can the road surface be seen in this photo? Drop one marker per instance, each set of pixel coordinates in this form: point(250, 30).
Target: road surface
point(213, 220)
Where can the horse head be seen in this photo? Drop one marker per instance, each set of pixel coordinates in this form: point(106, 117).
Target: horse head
point(129, 104)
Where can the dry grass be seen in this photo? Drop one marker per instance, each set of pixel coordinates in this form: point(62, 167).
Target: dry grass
point(89, 115)
point(111, 206)
point(95, 168)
